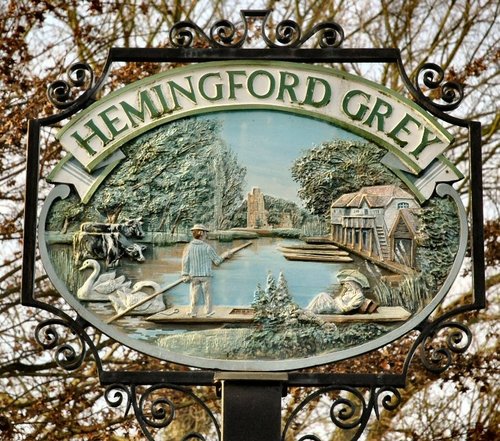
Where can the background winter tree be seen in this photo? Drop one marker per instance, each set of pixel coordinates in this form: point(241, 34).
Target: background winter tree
point(40, 401)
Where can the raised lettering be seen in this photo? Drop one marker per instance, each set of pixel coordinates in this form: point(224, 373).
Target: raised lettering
point(361, 110)
point(289, 88)
point(111, 122)
point(232, 84)
point(377, 112)
point(403, 126)
point(218, 87)
point(161, 97)
point(311, 88)
point(251, 86)
point(84, 142)
point(426, 141)
point(145, 102)
point(189, 94)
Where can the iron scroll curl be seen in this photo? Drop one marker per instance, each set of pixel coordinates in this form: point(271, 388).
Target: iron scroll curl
point(156, 410)
point(66, 355)
point(433, 78)
point(439, 359)
point(226, 34)
point(79, 75)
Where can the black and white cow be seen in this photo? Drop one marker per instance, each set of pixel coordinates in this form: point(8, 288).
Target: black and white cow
point(129, 228)
point(110, 247)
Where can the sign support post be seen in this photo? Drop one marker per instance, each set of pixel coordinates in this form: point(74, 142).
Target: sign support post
point(251, 405)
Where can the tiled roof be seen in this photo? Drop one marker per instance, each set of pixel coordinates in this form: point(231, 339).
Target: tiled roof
point(375, 196)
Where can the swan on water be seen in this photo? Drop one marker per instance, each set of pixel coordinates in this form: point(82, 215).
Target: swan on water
point(98, 286)
point(124, 298)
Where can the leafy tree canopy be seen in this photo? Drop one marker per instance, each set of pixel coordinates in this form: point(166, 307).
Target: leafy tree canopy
point(172, 176)
point(338, 167)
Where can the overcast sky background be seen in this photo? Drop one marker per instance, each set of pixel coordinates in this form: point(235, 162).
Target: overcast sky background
point(267, 143)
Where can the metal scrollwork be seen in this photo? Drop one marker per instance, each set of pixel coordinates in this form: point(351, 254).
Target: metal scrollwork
point(437, 360)
point(226, 34)
point(115, 394)
point(155, 410)
point(309, 438)
point(345, 412)
point(183, 34)
point(223, 34)
point(349, 411)
point(194, 436)
point(390, 398)
point(451, 92)
point(59, 92)
point(330, 34)
point(162, 410)
point(66, 356)
point(288, 34)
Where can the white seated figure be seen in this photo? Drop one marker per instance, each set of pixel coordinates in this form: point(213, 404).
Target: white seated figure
point(349, 299)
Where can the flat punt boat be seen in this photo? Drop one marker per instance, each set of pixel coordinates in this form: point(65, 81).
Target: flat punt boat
point(314, 252)
point(306, 246)
point(317, 257)
point(320, 240)
point(236, 314)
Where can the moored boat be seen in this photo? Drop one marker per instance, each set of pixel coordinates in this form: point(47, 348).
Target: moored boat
point(317, 257)
point(306, 246)
point(314, 252)
point(319, 240)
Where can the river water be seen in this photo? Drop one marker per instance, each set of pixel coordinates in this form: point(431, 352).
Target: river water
point(235, 280)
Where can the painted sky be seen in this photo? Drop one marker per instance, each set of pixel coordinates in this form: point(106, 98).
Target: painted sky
point(267, 142)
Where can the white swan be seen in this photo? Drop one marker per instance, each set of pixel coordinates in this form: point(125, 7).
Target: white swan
point(98, 287)
point(126, 297)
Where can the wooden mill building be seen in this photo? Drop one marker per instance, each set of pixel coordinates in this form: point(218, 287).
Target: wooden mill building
point(377, 221)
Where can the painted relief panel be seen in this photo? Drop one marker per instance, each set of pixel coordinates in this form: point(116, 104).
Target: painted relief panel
point(254, 238)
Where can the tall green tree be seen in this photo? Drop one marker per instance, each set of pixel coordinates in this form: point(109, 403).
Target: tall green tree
point(173, 175)
point(338, 167)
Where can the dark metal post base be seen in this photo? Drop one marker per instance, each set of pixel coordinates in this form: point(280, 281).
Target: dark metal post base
point(251, 406)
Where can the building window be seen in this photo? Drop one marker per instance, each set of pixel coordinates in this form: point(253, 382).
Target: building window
point(403, 205)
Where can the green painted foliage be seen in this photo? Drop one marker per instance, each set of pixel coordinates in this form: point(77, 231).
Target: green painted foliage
point(277, 207)
point(437, 239)
point(283, 329)
point(338, 167)
point(437, 244)
point(173, 176)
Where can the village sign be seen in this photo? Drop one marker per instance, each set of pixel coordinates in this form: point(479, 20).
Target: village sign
point(368, 249)
point(254, 213)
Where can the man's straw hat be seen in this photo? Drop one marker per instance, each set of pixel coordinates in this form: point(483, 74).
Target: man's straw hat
point(200, 227)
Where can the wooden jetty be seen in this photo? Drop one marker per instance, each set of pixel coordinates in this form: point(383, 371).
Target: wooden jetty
point(319, 240)
point(236, 314)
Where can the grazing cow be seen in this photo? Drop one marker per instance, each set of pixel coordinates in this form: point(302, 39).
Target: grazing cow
point(131, 249)
point(110, 247)
point(129, 228)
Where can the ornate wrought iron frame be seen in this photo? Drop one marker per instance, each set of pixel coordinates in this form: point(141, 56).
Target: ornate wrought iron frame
point(368, 392)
